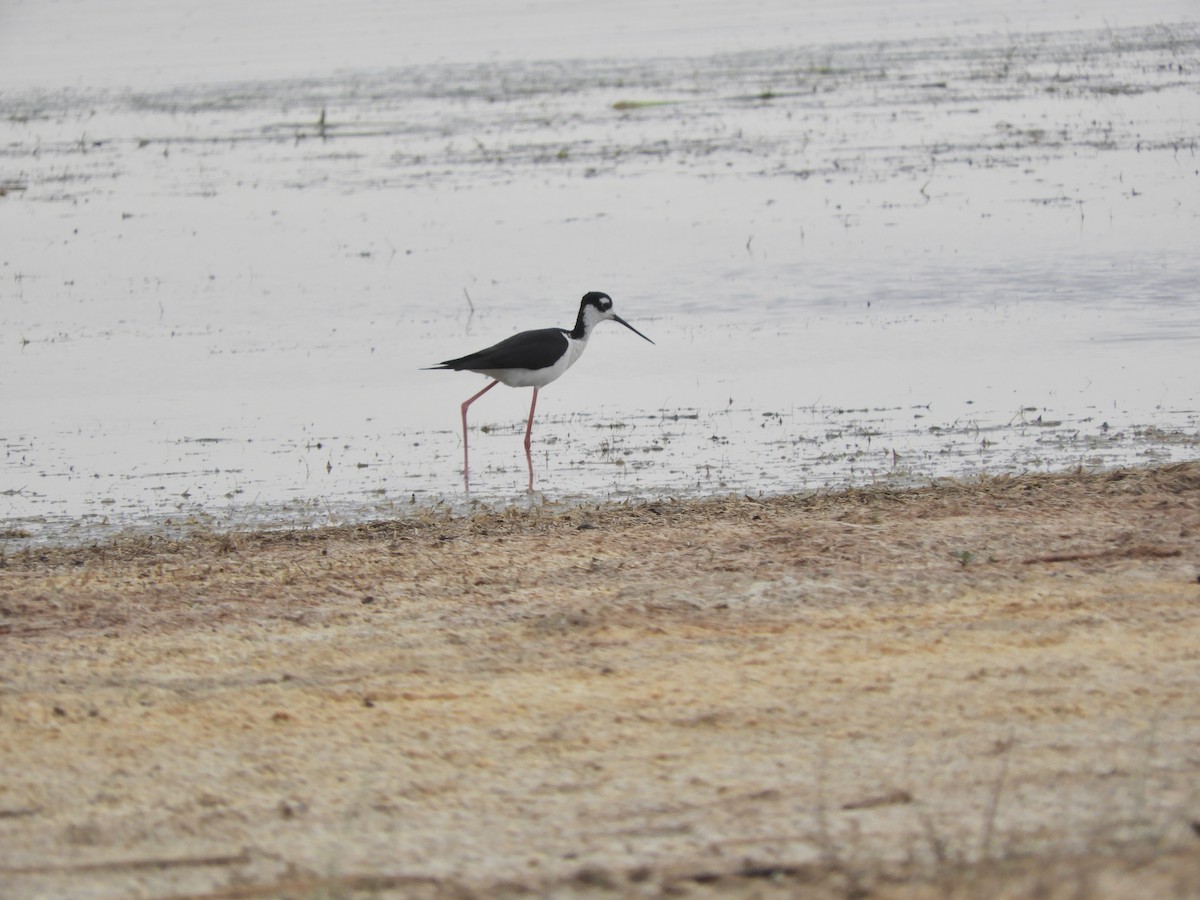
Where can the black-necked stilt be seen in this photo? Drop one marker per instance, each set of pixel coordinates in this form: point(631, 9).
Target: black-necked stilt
point(533, 359)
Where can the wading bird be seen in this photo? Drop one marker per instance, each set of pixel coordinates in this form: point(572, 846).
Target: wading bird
point(533, 359)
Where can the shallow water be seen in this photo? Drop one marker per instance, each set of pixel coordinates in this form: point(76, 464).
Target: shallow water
point(949, 252)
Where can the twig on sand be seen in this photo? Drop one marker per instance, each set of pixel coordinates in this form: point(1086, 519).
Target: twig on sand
point(1137, 552)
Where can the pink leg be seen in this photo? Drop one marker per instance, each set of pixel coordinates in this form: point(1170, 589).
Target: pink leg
point(466, 455)
point(528, 433)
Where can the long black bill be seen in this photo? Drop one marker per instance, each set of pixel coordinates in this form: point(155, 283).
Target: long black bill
point(617, 318)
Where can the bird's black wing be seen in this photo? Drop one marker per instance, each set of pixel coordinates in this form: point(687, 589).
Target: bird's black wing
point(527, 350)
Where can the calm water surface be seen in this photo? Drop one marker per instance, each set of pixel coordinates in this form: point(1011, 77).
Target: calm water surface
point(945, 248)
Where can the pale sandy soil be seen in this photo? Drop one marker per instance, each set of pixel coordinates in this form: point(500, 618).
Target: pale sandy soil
point(984, 690)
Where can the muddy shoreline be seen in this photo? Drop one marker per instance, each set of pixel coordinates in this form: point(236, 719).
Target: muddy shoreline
point(954, 691)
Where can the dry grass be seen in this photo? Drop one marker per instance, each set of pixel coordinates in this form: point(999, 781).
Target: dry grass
point(971, 690)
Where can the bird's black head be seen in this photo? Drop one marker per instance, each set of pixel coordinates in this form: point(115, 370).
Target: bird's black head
point(598, 299)
point(594, 308)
